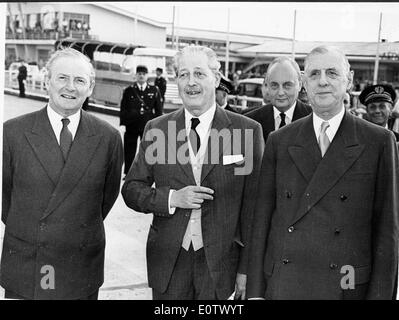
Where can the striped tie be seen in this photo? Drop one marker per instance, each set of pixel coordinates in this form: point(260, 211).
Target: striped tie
point(324, 142)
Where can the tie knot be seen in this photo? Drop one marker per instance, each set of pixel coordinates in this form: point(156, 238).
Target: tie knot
point(194, 123)
point(282, 116)
point(324, 126)
point(65, 122)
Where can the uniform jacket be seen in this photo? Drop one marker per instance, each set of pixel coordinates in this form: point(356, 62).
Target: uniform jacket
point(53, 213)
point(137, 107)
point(265, 116)
point(225, 220)
point(161, 84)
point(316, 215)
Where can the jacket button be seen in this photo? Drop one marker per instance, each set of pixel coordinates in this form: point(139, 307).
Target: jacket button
point(343, 197)
point(337, 231)
point(286, 261)
point(308, 195)
point(291, 229)
point(333, 266)
point(288, 194)
point(43, 226)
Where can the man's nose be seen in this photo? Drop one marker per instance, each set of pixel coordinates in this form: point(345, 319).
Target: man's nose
point(70, 85)
point(323, 79)
point(280, 91)
point(191, 79)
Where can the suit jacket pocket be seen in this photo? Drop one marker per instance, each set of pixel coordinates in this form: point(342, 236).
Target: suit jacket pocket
point(362, 274)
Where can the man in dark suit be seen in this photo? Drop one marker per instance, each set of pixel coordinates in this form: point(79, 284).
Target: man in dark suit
point(378, 100)
point(22, 75)
point(326, 222)
point(203, 198)
point(61, 177)
point(160, 82)
point(283, 83)
point(140, 103)
point(222, 93)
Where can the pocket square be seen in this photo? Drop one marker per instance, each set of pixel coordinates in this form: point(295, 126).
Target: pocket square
point(232, 159)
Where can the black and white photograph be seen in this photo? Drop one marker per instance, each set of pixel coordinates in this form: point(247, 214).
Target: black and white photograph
point(199, 151)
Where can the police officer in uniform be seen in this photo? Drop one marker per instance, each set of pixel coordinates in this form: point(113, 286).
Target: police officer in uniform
point(22, 75)
point(222, 91)
point(160, 82)
point(140, 103)
point(378, 100)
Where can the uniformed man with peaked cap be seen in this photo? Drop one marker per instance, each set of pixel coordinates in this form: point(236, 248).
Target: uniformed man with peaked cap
point(379, 100)
point(140, 103)
point(222, 91)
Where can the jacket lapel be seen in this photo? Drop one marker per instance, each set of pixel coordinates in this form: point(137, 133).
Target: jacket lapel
point(340, 156)
point(216, 145)
point(269, 121)
point(44, 143)
point(305, 152)
point(178, 143)
point(82, 151)
point(299, 111)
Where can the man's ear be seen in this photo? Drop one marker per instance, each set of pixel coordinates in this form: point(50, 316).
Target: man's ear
point(350, 80)
point(217, 77)
point(91, 88)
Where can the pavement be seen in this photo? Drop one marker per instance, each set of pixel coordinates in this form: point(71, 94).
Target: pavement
point(126, 230)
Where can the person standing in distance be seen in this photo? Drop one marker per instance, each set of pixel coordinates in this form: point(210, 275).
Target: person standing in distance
point(140, 103)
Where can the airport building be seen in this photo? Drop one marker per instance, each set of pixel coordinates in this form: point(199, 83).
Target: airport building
point(33, 29)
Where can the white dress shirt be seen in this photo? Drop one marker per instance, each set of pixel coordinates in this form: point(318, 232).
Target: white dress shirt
point(56, 123)
point(288, 115)
point(203, 130)
point(334, 123)
point(142, 86)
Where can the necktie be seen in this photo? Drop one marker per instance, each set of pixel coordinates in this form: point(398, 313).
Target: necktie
point(194, 136)
point(324, 142)
point(65, 138)
point(282, 123)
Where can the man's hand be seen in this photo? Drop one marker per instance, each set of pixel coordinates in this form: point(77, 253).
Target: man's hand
point(122, 129)
point(190, 197)
point(241, 283)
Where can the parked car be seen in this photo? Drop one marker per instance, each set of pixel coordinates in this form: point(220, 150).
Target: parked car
point(248, 94)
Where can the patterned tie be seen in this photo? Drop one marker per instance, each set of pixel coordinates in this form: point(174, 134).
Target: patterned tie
point(282, 123)
point(65, 138)
point(194, 136)
point(324, 142)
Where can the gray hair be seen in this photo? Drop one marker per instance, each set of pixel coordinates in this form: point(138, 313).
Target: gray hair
point(213, 62)
point(69, 52)
point(325, 49)
point(281, 60)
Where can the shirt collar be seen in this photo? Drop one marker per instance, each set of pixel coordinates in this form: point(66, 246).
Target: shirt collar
point(289, 113)
point(144, 85)
point(56, 123)
point(205, 118)
point(334, 123)
point(224, 105)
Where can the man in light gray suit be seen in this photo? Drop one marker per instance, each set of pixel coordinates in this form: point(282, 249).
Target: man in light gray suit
point(203, 197)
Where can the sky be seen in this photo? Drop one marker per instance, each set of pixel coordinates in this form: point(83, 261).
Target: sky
point(315, 21)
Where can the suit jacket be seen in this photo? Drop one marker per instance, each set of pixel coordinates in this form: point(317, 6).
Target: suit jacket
point(265, 116)
point(317, 215)
point(137, 107)
point(53, 213)
point(225, 220)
